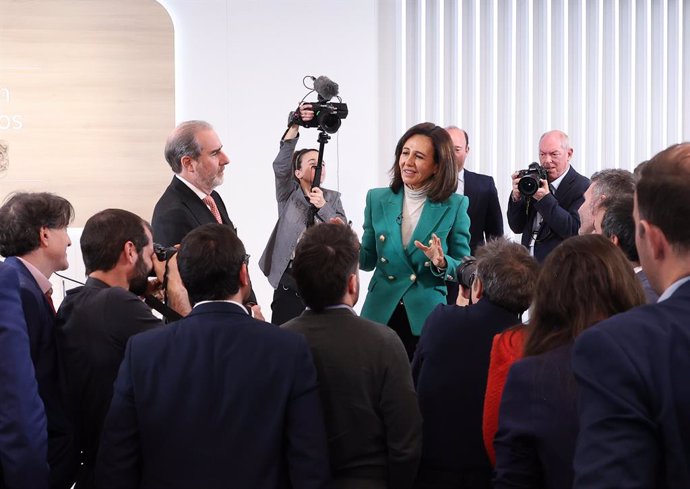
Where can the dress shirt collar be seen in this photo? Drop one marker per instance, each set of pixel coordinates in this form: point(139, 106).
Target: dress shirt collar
point(198, 192)
point(672, 288)
point(336, 306)
point(42, 281)
point(558, 181)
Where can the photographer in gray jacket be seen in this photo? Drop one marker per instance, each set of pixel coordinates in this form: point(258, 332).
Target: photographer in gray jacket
point(299, 206)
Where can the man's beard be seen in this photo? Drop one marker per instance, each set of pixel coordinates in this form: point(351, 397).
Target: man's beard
point(140, 282)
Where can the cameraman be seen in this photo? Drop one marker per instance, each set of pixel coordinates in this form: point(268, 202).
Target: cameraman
point(551, 214)
point(451, 363)
point(299, 206)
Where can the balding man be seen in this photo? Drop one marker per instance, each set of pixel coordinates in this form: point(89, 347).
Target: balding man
point(486, 221)
point(551, 214)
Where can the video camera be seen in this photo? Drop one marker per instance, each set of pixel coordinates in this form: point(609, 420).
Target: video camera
point(327, 115)
point(530, 179)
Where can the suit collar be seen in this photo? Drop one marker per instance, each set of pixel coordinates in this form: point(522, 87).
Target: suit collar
point(197, 206)
point(218, 306)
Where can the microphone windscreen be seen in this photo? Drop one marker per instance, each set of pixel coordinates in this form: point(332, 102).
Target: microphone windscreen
point(325, 87)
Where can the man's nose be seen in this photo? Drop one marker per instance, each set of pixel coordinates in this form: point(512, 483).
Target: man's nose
point(224, 160)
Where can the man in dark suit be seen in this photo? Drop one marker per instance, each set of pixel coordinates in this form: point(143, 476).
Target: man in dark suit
point(95, 321)
point(217, 399)
point(618, 225)
point(632, 369)
point(372, 418)
point(23, 432)
point(195, 154)
point(551, 214)
point(451, 364)
point(486, 220)
point(33, 235)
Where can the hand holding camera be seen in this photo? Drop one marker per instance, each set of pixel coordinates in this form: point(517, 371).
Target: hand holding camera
point(531, 182)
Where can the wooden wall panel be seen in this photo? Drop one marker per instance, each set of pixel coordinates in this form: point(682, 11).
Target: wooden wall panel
point(86, 101)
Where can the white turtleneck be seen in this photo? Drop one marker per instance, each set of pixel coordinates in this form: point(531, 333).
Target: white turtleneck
point(413, 204)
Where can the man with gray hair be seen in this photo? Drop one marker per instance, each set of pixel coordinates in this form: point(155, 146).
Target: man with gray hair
point(195, 154)
point(451, 364)
point(549, 215)
point(608, 184)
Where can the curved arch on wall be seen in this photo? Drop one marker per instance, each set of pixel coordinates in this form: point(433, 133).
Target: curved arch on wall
point(87, 98)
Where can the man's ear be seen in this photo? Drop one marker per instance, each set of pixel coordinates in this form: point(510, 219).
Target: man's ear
point(658, 244)
point(186, 162)
point(244, 275)
point(43, 236)
point(352, 284)
point(570, 153)
point(129, 251)
point(614, 239)
point(477, 289)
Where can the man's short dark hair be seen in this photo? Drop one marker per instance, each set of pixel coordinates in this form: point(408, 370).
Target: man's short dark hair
point(105, 235)
point(182, 142)
point(325, 257)
point(24, 214)
point(663, 194)
point(618, 221)
point(209, 261)
point(508, 274)
point(613, 183)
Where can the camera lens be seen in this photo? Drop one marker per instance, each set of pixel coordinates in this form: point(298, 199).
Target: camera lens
point(528, 185)
point(329, 122)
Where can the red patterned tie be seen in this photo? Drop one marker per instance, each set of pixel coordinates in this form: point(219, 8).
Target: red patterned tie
point(49, 296)
point(208, 200)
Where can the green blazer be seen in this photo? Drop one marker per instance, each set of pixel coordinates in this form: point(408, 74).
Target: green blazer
point(405, 272)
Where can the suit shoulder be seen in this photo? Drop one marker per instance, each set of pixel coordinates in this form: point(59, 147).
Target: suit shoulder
point(378, 193)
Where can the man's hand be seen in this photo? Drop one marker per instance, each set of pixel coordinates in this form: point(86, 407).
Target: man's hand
point(464, 295)
point(515, 194)
point(178, 299)
point(542, 190)
point(255, 311)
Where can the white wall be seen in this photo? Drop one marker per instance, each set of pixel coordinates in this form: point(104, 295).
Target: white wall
point(240, 64)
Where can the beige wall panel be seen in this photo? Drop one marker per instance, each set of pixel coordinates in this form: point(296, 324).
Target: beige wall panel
point(86, 101)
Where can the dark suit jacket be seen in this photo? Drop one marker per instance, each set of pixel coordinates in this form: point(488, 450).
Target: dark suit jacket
point(215, 400)
point(372, 418)
point(634, 405)
point(450, 369)
point(179, 210)
point(40, 322)
point(559, 211)
point(537, 423)
point(23, 429)
point(486, 219)
point(93, 324)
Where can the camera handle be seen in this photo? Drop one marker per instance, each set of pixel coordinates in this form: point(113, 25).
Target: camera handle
point(322, 140)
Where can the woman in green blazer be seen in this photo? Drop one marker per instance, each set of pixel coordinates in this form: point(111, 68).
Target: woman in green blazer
point(416, 232)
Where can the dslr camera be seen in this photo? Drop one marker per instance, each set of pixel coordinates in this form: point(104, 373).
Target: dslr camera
point(530, 179)
point(466, 271)
point(163, 253)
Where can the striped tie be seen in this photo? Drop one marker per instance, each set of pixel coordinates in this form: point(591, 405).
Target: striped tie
point(208, 200)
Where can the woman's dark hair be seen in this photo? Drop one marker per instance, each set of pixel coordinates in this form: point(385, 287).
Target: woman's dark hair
point(584, 280)
point(297, 157)
point(445, 182)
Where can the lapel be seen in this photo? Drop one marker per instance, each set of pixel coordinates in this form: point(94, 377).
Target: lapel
point(470, 185)
point(565, 185)
point(431, 216)
point(197, 206)
point(392, 213)
point(26, 278)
